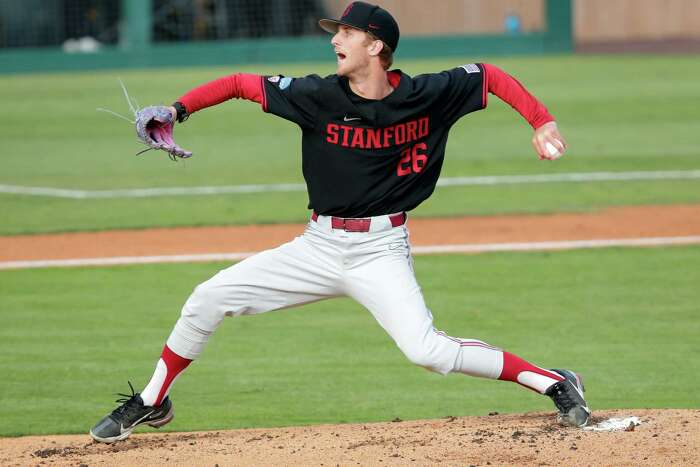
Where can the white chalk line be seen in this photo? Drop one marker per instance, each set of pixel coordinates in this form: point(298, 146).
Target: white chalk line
point(417, 250)
point(126, 260)
point(556, 245)
point(572, 177)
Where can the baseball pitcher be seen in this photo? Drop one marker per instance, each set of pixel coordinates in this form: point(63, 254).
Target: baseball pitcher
point(373, 144)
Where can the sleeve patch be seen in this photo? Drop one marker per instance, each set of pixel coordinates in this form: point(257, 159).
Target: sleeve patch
point(471, 68)
point(282, 81)
point(285, 82)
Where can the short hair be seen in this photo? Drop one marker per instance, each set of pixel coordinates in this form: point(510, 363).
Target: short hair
point(386, 55)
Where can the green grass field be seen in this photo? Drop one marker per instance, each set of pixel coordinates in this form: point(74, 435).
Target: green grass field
point(618, 113)
point(626, 318)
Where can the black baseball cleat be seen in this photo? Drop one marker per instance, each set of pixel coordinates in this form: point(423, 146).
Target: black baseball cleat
point(568, 397)
point(119, 424)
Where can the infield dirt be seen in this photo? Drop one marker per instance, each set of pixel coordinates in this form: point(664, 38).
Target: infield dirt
point(665, 437)
point(618, 222)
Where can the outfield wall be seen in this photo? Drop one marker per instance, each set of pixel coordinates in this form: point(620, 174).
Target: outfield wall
point(462, 28)
point(137, 50)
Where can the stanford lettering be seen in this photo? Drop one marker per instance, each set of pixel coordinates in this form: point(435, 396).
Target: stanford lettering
point(374, 138)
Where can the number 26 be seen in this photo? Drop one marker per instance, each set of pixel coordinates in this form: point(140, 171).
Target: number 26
point(412, 161)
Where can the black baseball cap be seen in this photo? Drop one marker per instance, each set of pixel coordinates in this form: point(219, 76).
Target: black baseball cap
point(369, 18)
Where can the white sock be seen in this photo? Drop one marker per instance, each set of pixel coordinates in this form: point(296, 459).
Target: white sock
point(150, 392)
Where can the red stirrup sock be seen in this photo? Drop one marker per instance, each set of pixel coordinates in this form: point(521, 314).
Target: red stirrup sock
point(532, 377)
point(168, 368)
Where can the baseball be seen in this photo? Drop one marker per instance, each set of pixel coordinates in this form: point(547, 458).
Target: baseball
point(552, 150)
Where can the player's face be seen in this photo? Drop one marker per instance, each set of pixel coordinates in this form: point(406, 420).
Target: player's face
point(351, 50)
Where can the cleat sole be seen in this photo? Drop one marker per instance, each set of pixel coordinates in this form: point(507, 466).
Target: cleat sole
point(163, 421)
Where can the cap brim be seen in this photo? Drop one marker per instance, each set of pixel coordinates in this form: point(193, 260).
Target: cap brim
point(331, 25)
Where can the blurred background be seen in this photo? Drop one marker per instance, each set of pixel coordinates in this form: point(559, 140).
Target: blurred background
point(115, 33)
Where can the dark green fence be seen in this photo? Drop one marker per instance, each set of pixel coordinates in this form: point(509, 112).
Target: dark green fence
point(136, 48)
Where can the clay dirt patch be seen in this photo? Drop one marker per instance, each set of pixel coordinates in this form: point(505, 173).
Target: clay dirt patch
point(617, 222)
point(665, 437)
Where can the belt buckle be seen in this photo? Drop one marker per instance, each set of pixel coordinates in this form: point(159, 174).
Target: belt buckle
point(356, 225)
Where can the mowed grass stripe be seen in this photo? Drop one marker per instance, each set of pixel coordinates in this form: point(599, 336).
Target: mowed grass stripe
point(287, 187)
point(625, 318)
point(30, 214)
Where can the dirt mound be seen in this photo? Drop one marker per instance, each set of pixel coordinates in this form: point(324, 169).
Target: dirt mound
point(665, 437)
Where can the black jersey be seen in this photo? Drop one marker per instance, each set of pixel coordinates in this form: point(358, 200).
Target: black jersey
point(363, 157)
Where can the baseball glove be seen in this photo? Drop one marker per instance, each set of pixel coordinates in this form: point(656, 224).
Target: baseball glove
point(154, 127)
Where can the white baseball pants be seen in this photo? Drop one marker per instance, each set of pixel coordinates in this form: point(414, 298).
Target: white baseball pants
point(375, 268)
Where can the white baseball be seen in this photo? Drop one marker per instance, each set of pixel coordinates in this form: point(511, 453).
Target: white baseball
point(552, 150)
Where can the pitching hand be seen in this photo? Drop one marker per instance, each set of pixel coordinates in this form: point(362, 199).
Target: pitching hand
point(549, 144)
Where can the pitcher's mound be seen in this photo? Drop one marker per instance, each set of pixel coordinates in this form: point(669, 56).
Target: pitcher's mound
point(664, 437)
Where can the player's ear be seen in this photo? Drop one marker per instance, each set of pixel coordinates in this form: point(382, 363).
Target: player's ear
point(375, 47)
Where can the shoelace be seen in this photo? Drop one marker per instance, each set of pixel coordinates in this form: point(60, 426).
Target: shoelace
point(128, 402)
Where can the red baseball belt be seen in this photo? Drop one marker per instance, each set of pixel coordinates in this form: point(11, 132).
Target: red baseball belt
point(360, 224)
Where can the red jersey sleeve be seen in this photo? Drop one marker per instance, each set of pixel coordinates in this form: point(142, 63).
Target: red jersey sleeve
point(238, 85)
point(509, 89)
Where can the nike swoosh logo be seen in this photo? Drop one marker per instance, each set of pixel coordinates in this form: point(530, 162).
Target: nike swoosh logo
point(578, 390)
point(350, 119)
point(121, 425)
